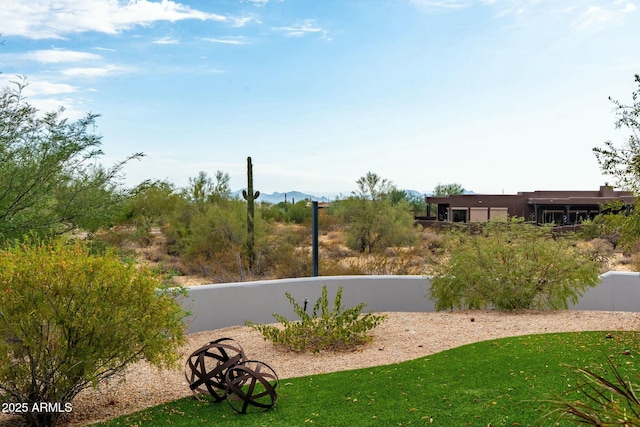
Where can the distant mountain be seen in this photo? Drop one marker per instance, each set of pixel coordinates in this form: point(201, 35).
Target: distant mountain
point(289, 196)
point(295, 196)
point(415, 193)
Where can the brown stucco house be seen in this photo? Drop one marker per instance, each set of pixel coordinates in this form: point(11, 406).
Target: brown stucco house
point(540, 207)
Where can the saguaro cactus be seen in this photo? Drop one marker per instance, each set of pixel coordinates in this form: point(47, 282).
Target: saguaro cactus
point(250, 197)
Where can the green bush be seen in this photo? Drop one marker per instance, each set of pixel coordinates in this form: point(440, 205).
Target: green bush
point(210, 239)
point(324, 329)
point(511, 265)
point(286, 253)
point(70, 319)
point(375, 217)
point(609, 227)
point(374, 225)
point(296, 213)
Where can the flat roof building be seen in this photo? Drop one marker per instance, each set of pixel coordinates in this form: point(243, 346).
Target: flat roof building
point(539, 207)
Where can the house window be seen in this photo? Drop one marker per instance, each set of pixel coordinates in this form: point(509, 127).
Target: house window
point(459, 215)
point(553, 217)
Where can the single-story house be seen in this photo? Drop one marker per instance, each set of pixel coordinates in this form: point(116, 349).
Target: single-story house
point(540, 207)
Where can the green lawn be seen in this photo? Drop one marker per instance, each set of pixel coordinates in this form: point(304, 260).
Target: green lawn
point(499, 383)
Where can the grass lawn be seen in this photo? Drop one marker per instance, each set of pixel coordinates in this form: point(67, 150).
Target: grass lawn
point(498, 383)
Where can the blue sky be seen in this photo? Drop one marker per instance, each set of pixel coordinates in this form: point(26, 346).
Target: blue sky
point(500, 96)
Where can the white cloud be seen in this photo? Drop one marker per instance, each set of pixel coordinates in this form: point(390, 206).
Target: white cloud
point(442, 4)
point(44, 88)
point(35, 87)
point(39, 19)
point(45, 95)
point(241, 22)
point(597, 17)
point(226, 40)
point(302, 28)
point(260, 3)
point(59, 55)
point(72, 108)
point(166, 40)
point(214, 71)
point(107, 70)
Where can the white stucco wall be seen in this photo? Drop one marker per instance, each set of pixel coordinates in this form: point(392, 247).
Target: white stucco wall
point(221, 305)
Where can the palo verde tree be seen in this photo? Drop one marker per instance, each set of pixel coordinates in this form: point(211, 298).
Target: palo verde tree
point(151, 203)
point(448, 190)
point(416, 202)
point(203, 189)
point(70, 319)
point(373, 219)
point(511, 265)
point(49, 181)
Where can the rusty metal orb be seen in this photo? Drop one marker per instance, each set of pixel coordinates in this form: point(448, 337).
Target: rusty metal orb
point(251, 383)
point(205, 369)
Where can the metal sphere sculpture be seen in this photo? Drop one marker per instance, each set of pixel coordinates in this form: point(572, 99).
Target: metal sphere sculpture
point(251, 384)
point(206, 368)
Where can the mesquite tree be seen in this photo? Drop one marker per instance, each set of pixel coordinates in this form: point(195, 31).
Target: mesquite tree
point(374, 220)
point(49, 180)
point(511, 265)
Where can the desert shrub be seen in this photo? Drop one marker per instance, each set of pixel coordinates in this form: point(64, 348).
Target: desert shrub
point(511, 265)
point(373, 225)
point(287, 261)
point(336, 267)
point(600, 401)
point(324, 329)
point(296, 213)
point(151, 204)
point(226, 268)
point(287, 253)
point(70, 319)
point(272, 213)
point(600, 250)
point(609, 227)
point(299, 213)
point(328, 221)
point(122, 238)
point(396, 262)
point(377, 215)
point(211, 237)
point(431, 241)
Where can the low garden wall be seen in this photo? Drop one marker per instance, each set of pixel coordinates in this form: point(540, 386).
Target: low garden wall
point(230, 304)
